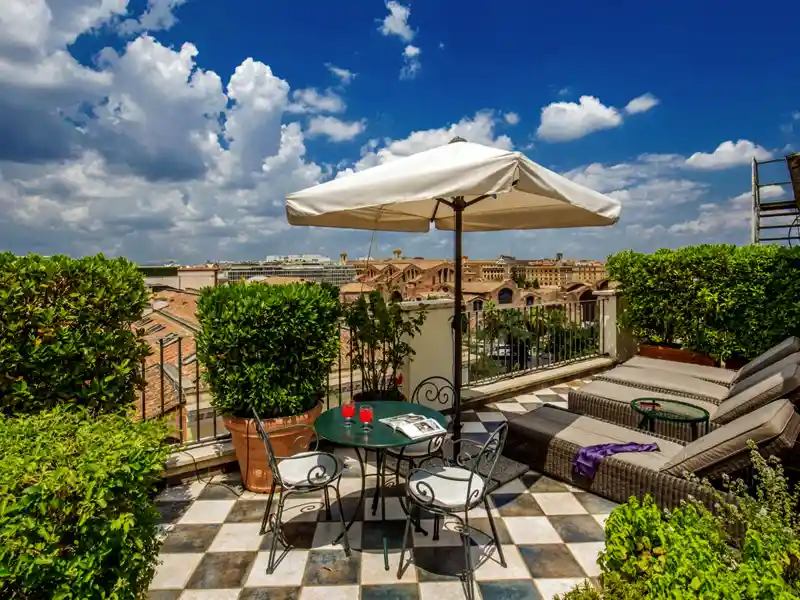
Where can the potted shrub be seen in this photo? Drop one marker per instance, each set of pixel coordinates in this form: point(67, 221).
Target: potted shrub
point(268, 347)
point(379, 334)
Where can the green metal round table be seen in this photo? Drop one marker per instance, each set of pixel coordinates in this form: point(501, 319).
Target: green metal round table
point(672, 411)
point(330, 425)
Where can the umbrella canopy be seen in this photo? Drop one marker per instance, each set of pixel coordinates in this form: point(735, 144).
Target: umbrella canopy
point(406, 195)
point(459, 186)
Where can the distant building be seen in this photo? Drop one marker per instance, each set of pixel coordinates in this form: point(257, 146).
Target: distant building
point(306, 267)
point(180, 278)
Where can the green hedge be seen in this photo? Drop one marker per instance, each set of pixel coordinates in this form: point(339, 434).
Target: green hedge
point(77, 520)
point(721, 300)
point(65, 332)
point(748, 548)
point(268, 346)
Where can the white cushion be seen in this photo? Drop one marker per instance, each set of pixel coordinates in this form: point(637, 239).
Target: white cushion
point(320, 466)
point(422, 448)
point(448, 493)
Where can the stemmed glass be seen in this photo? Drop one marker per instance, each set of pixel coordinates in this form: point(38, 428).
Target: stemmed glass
point(365, 416)
point(348, 412)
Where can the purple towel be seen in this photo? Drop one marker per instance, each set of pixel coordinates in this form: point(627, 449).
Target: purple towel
point(588, 459)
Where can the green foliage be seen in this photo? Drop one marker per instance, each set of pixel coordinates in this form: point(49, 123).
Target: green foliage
point(747, 548)
point(719, 300)
point(379, 339)
point(583, 591)
point(267, 346)
point(77, 519)
point(65, 332)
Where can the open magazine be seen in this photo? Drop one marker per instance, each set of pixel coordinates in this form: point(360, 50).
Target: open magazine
point(415, 427)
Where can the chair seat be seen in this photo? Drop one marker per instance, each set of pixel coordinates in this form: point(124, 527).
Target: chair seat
point(448, 485)
point(309, 469)
point(421, 448)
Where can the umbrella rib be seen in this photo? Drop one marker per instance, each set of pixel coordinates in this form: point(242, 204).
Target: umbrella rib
point(436, 208)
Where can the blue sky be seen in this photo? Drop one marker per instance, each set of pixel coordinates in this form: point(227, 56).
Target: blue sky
point(173, 129)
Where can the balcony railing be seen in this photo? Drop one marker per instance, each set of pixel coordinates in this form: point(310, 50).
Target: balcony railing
point(508, 342)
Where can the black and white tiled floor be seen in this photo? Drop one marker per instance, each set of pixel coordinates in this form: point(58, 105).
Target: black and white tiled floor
point(550, 533)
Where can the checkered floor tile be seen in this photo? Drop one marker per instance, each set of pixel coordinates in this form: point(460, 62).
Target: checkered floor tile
point(550, 534)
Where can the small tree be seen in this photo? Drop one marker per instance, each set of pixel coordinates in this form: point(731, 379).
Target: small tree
point(379, 334)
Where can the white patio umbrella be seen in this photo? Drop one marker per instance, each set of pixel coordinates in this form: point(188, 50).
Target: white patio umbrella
point(459, 186)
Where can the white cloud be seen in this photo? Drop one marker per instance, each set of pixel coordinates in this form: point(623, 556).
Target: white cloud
point(733, 214)
point(345, 76)
point(412, 64)
point(479, 129)
point(165, 160)
point(336, 129)
point(641, 104)
point(511, 118)
point(728, 154)
point(309, 100)
point(158, 16)
point(564, 121)
point(396, 22)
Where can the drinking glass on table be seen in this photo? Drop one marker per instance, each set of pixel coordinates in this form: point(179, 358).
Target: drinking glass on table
point(348, 412)
point(365, 416)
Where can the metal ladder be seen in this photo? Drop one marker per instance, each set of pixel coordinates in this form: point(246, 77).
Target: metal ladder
point(776, 221)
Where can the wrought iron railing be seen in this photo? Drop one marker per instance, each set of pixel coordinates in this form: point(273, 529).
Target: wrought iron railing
point(498, 343)
point(508, 342)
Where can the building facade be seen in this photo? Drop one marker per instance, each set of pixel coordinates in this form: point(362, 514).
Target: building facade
point(306, 267)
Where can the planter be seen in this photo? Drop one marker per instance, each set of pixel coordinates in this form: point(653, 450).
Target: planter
point(675, 354)
point(251, 452)
point(373, 396)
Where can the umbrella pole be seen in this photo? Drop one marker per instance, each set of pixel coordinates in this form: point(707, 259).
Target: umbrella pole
point(458, 209)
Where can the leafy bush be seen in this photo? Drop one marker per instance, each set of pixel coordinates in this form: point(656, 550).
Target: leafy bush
point(267, 346)
point(721, 300)
point(65, 332)
point(77, 519)
point(747, 548)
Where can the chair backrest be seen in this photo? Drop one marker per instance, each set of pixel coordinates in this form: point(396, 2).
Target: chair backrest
point(434, 390)
point(484, 463)
point(778, 352)
point(273, 461)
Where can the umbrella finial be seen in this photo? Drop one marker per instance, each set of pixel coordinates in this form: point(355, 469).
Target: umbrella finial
point(458, 138)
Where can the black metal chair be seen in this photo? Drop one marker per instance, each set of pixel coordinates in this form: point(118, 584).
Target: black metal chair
point(299, 473)
point(455, 487)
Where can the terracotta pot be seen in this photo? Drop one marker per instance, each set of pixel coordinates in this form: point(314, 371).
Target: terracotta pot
point(373, 396)
point(251, 452)
point(675, 354)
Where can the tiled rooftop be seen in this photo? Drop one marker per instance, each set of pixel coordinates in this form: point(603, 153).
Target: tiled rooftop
point(550, 533)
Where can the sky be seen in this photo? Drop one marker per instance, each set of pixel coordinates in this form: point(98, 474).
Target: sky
point(173, 129)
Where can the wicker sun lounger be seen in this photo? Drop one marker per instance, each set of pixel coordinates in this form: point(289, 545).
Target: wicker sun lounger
point(548, 439)
point(719, 375)
point(677, 384)
point(611, 402)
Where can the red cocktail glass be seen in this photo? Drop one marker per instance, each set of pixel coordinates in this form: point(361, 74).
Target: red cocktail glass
point(348, 412)
point(365, 416)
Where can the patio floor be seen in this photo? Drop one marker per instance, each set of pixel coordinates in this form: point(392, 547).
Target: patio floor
point(550, 533)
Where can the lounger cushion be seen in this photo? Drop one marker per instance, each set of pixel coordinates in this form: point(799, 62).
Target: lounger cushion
point(778, 385)
point(713, 374)
point(761, 425)
point(586, 431)
point(676, 383)
point(788, 346)
point(627, 394)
